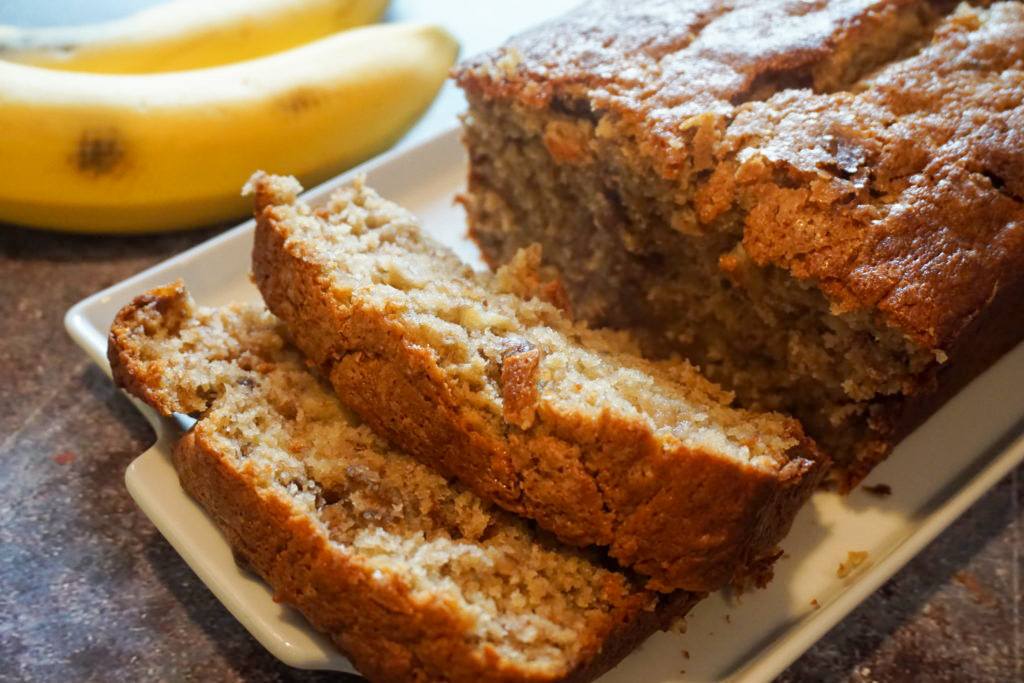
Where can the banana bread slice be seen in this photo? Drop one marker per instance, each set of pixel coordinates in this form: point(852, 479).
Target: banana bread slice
point(819, 203)
point(482, 377)
point(412, 577)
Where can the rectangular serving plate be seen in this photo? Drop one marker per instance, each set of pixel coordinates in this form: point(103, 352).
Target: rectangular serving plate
point(935, 474)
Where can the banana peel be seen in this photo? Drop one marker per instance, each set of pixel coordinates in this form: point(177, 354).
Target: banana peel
point(140, 153)
point(185, 34)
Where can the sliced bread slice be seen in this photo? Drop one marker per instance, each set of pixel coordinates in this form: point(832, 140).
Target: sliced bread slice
point(412, 577)
point(484, 378)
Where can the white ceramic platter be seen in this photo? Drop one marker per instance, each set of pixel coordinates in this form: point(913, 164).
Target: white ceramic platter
point(935, 474)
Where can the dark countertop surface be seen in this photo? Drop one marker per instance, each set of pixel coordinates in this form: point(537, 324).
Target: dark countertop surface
point(89, 590)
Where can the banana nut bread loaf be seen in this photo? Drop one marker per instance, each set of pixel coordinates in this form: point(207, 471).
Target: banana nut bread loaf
point(413, 577)
point(483, 378)
point(821, 204)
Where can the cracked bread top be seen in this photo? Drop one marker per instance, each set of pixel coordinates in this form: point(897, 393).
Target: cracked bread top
point(906, 196)
point(874, 149)
point(674, 71)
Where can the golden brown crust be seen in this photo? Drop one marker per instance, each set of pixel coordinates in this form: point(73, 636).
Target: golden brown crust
point(388, 635)
point(998, 328)
point(906, 197)
point(137, 377)
point(846, 189)
point(678, 69)
point(874, 151)
point(689, 519)
point(387, 632)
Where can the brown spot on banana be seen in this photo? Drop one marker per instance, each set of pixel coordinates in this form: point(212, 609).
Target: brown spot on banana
point(99, 152)
point(301, 100)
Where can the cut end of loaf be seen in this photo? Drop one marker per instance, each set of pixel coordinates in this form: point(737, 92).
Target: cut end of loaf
point(824, 222)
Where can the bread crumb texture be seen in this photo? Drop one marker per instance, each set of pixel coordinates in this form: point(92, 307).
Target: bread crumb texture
point(485, 377)
point(819, 203)
point(511, 599)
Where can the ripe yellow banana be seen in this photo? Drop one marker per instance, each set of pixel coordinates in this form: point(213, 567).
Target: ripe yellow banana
point(185, 34)
point(116, 153)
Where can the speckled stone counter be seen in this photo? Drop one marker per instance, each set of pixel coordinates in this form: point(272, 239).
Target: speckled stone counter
point(90, 590)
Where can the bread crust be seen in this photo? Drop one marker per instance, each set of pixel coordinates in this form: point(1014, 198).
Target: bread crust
point(388, 633)
point(990, 334)
point(917, 215)
point(905, 197)
point(676, 71)
point(874, 155)
point(688, 519)
point(161, 306)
